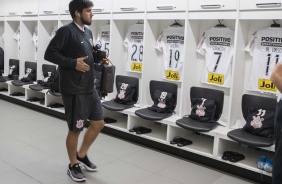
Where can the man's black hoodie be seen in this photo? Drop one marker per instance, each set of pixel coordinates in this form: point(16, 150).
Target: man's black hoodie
point(68, 44)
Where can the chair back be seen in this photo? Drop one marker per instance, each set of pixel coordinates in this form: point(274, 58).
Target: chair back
point(31, 65)
point(258, 102)
point(14, 62)
point(48, 68)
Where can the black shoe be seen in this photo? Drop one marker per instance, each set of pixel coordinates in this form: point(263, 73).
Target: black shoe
point(135, 129)
point(143, 130)
point(75, 173)
point(184, 142)
point(87, 163)
point(176, 140)
point(110, 120)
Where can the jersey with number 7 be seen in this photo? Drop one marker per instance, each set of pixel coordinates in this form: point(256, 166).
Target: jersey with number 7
point(265, 47)
point(217, 46)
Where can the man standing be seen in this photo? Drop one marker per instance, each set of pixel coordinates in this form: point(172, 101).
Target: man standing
point(1, 61)
point(276, 78)
point(72, 50)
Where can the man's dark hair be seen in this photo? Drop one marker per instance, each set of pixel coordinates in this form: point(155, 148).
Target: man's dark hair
point(79, 5)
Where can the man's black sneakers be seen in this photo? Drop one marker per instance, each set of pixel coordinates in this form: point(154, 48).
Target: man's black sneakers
point(86, 163)
point(75, 173)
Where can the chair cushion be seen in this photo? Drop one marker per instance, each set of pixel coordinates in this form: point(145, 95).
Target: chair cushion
point(54, 93)
point(20, 83)
point(114, 106)
point(148, 114)
point(37, 87)
point(193, 125)
point(244, 137)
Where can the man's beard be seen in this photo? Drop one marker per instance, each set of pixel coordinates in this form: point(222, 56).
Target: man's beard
point(85, 22)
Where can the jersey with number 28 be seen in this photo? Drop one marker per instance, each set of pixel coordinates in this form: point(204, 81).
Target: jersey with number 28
point(265, 47)
point(134, 42)
point(217, 46)
point(171, 43)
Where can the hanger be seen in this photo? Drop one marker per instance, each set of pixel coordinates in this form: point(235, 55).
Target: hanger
point(139, 22)
point(176, 24)
point(275, 24)
point(220, 25)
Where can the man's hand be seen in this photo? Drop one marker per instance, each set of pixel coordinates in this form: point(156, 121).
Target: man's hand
point(81, 65)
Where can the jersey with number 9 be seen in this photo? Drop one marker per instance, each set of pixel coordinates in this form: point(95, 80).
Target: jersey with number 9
point(171, 43)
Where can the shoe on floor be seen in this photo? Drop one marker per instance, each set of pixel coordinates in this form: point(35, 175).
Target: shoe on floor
point(237, 157)
point(143, 130)
point(75, 173)
point(227, 155)
point(176, 140)
point(87, 163)
point(261, 162)
point(268, 165)
point(135, 129)
point(110, 120)
point(184, 142)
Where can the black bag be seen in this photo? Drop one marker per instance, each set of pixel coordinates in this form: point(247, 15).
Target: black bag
point(202, 110)
point(48, 79)
point(98, 74)
point(55, 84)
point(1, 61)
point(104, 78)
point(30, 75)
point(125, 94)
point(163, 102)
point(107, 79)
point(14, 72)
point(260, 122)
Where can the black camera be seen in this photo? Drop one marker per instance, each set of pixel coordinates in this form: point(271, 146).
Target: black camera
point(101, 54)
point(97, 47)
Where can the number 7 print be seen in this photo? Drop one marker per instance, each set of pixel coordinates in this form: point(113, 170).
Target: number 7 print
point(217, 62)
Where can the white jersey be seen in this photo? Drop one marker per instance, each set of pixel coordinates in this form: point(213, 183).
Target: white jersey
point(134, 42)
point(53, 32)
point(171, 43)
point(17, 38)
point(217, 46)
point(265, 47)
point(35, 40)
point(104, 38)
point(2, 38)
